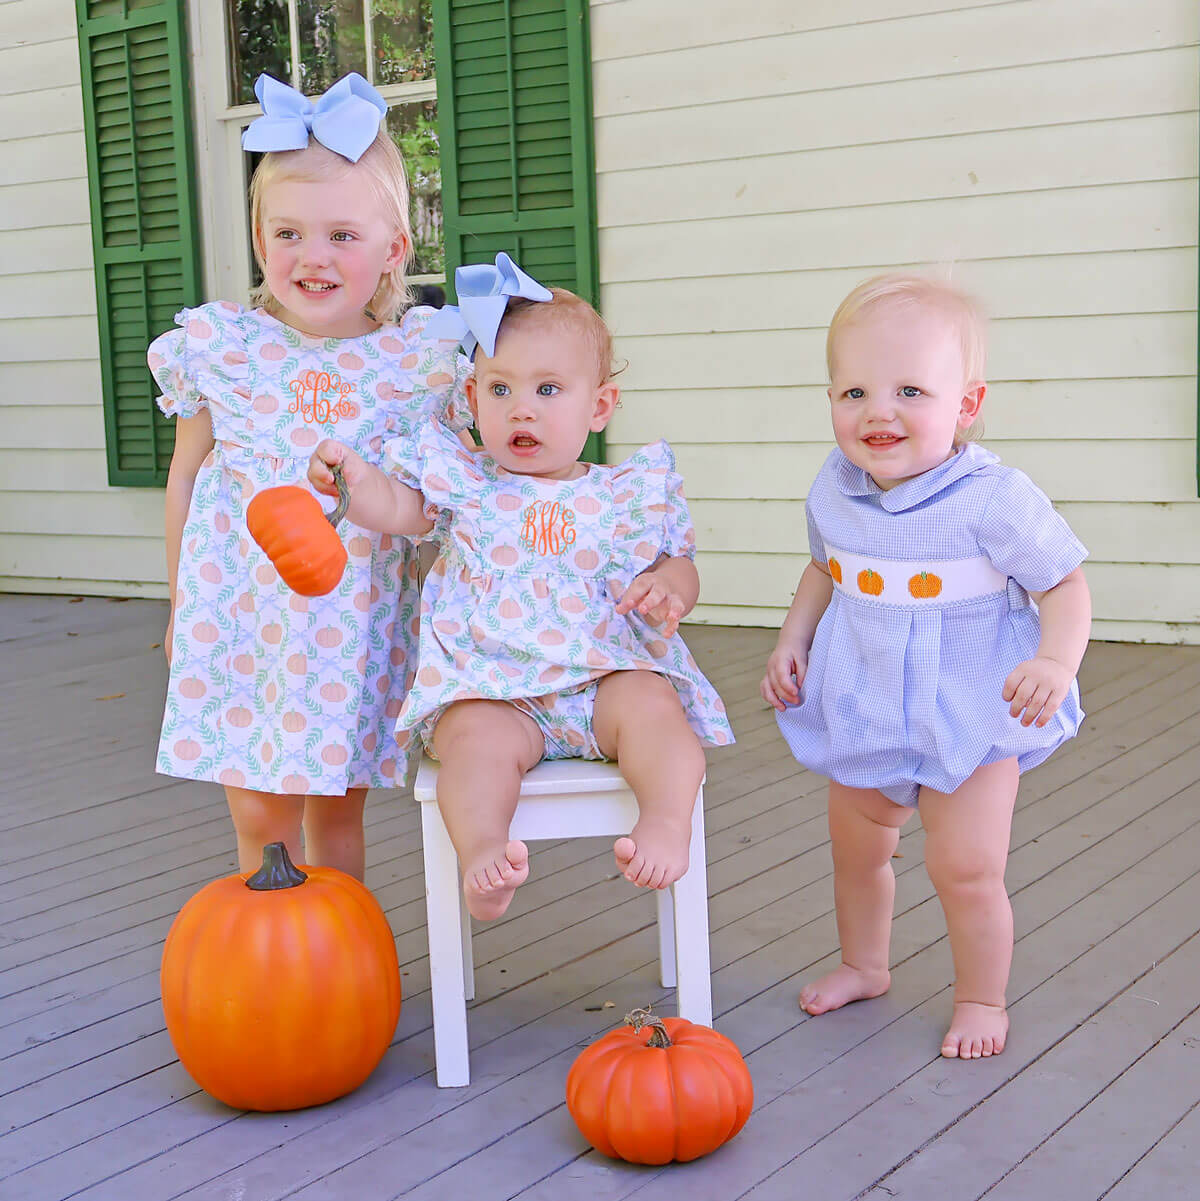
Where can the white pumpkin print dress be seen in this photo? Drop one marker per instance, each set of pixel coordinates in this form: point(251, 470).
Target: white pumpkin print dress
point(270, 690)
point(521, 601)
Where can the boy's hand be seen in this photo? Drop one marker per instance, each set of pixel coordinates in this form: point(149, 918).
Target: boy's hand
point(326, 457)
point(653, 597)
point(1036, 688)
point(786, 669)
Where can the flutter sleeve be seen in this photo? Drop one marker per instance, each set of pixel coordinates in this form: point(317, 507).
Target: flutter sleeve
point(1025, 537)
point(652, 511)
point(435, 463)
point(200, 361)
point(440, 374)
point(172, 357)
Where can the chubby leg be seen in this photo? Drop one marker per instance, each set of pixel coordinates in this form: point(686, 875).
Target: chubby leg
point(967, 833)
point(333, 831)
point(638, 721)
point(263, 817)
point(864, 828)
point(485, 748)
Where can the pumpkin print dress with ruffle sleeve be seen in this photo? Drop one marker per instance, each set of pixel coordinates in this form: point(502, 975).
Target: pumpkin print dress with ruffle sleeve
point(521, 601)
point(906, 692)
point(270, 690)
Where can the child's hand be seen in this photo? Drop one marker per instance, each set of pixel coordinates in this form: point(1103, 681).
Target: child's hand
point(1036, 688)
point(786, 669)
point(325, 458)
point(652, 595)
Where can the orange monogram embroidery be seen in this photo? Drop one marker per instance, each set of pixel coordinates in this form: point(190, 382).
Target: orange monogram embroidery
point(312, 399)
point(549, 528)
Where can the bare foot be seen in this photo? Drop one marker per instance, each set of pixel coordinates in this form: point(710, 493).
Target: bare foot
point(655, 853)
point(841, 986)
point(976, 1030)
point(489, 883)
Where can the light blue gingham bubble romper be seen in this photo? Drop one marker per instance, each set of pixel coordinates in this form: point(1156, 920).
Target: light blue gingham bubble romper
point(897, 696)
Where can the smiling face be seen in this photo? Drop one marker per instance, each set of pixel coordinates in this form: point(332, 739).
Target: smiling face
point(325, 245)
point(899, 394)
point(539, 396)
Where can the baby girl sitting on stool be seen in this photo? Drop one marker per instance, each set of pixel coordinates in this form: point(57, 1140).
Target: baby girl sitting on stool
point(548, 623)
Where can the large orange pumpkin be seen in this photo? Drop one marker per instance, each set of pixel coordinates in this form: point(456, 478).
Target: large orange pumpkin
point(281, 988)
point(297, 536)
point(659, 1089)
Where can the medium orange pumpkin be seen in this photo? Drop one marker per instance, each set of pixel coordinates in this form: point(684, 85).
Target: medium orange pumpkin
point(281, 988)
point(870, 582)
point(659, 1089)
point(298, 537)
point(924, 585)
point(835, 570)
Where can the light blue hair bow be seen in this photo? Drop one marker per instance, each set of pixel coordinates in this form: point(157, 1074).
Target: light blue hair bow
point(483, 292)
point(346, 119)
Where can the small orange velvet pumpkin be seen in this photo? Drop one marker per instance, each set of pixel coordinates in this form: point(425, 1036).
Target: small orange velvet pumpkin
point(924, 585)
point(297, 536)
point(659, 1089)
point(870, 582)
point(281, 988)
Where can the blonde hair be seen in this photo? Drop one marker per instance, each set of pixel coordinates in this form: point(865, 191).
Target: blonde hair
point(912, 289)
point(566, 310)
point(384, 169)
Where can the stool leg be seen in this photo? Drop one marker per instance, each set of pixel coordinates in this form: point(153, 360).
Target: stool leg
point(666, 936)
point(443, 905)
point(468, 951)
point(693, 992)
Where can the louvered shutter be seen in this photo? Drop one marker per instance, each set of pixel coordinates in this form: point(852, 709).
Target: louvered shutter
point(137, 125)
point(515, 126)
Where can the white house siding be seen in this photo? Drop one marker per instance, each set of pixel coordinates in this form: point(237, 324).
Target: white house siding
point(62, 528)
point(756, 160)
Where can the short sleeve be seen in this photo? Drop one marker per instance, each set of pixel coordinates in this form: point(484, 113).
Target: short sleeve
point(648, 494)
point(205, 355)
point(440, 373)
point(1025, 538)
point(816, 544)
point(434, 462)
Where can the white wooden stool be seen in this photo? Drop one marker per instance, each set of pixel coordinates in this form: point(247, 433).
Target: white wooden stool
point(564, 798)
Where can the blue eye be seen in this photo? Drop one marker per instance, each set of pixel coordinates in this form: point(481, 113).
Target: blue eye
point(547, 389)
point(499, 389)
point(910, 391)
point(286, 234)
point(855, 393)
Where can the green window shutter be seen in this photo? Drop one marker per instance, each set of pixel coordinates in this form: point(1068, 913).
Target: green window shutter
point(515, 126)
point(137, 125)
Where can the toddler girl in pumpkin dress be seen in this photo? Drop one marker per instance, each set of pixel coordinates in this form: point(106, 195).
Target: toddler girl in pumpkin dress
point(548, 624)
point(290, 701)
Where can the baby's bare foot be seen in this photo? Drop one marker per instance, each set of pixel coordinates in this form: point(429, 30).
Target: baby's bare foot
point(841, 986)
point(976, 1030)
point(489, 883)
point(655, 853)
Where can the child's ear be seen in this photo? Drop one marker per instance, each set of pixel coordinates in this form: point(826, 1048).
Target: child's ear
point(972, 403)
point(470, 384)
point(608, 396)
point(397, 251)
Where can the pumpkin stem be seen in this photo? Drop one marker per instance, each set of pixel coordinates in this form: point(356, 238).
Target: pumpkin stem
point(277, 871)
point(658, 1030)
point(343, 497)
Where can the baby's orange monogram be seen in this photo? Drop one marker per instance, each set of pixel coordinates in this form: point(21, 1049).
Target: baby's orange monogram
point(320, 396)
point(549, 528)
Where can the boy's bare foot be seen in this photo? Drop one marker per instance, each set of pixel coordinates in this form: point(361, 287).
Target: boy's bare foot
point(655, 853)
point(976, 1030)
point(489, 883)
point(841, 986)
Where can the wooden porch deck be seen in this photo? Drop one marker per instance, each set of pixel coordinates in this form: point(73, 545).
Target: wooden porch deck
point(1096, 1096)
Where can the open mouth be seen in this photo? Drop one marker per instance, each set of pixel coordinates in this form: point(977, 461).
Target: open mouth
point(316, 286)
point(882, 441)
point(524, 444)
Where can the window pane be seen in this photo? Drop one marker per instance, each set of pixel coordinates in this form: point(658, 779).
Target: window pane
point(414, 129)
point(332, 42)
point(403, 31)
point(259, 40)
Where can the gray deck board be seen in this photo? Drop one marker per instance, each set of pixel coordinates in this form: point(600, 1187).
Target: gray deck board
point(1097, 1094)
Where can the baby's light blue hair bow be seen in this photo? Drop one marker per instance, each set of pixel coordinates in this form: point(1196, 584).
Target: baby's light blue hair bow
point(346, 119)
point(483, 292)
